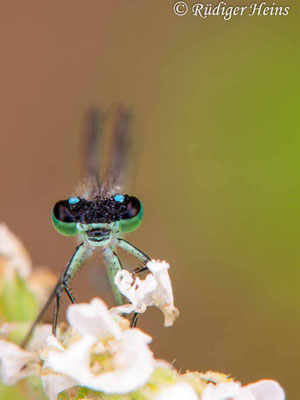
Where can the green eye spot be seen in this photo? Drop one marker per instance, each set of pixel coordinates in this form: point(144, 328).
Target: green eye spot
point(132, 218)
point(63, 220)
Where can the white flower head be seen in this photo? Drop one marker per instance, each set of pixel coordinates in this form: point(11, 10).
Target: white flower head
point(261, 390)
point(16, 363)
point(154, 290)
point(104, 357)
point(13, 250)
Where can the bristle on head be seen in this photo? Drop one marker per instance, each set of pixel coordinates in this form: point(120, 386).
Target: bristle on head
point(88, 189)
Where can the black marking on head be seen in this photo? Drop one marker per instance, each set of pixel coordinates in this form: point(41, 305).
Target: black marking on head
point(99, 234)
point(98, 210)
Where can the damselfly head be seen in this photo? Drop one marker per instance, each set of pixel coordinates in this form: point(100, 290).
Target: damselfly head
point(123, 212)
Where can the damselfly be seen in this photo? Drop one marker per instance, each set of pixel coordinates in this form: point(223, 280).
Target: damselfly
point(100, 215)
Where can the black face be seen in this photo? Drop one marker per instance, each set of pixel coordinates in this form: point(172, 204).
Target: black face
point(99, 210)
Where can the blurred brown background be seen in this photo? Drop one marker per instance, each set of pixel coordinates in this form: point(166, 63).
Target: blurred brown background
point(216, 108)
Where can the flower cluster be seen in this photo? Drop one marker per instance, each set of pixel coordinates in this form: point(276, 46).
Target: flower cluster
point(97, 355)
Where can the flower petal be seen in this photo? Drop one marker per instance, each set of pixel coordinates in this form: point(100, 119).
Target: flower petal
point(93, 319)
point(261, 390)
point(16, 363)
point(75, 360)
point(221, 391)
point(178, 391)
point(54, 383)
point(266, 390)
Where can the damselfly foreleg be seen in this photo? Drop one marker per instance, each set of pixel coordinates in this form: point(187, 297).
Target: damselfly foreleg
point(131, 249)
point(74, 265)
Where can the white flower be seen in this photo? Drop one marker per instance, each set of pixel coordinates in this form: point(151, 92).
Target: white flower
point(16, 363)
point(178, 391)
point(104, 357)
point(261, 390)
point(154, 290)
point(13, 250)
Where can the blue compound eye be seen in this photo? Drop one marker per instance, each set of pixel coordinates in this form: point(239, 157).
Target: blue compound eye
point(73, 200)
point(119, 198)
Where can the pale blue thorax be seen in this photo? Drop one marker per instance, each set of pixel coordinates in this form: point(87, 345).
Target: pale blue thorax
point(112, 227)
